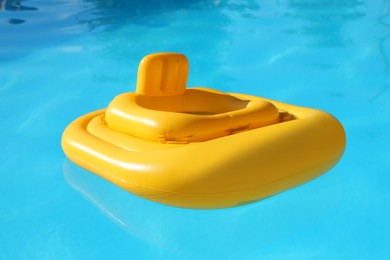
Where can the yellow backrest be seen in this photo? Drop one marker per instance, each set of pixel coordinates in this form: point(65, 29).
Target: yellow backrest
point(162, 74)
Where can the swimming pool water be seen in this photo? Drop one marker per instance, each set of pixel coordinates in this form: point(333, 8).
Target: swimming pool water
point(62, 59)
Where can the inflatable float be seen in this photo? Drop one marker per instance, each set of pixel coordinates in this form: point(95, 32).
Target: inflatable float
point(198, 147)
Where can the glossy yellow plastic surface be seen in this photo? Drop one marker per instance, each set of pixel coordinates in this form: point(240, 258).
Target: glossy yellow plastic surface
point(201, 148)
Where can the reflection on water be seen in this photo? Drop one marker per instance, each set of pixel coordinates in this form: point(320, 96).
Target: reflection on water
point(16, 21)
point(324, 20)
point(133, 29)
point(15, 5)
point(25, 28)
point(117, 13)
point(239, 233)
point(111, 13)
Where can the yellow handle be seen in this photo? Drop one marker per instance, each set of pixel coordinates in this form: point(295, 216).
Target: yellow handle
point(162, 74)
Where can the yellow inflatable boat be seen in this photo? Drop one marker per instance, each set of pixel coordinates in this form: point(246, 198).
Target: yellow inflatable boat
point(198, 147)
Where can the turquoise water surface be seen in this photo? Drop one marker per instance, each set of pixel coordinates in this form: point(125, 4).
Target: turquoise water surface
point(62, 59)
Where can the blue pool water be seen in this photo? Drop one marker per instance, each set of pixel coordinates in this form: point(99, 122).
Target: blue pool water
point(62, 59)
